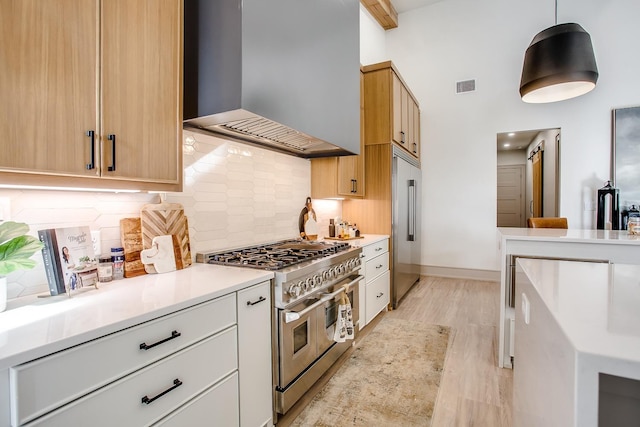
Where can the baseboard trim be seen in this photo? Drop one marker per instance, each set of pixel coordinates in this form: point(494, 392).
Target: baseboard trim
point(460, 273)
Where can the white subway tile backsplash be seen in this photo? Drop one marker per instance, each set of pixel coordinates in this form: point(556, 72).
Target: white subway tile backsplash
point(234, 195)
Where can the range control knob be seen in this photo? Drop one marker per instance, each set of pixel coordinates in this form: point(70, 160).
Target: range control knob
point(294, 290)
point(317, 280)
point(308, 284)
point(326, 275)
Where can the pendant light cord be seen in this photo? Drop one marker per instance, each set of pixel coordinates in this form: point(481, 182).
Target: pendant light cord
point(556, 12)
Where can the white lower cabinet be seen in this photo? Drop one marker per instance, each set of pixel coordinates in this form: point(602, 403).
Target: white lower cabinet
point(209, 364)
point(377, 295)
point(375, 288)
point(254, 343)
point(217, 406)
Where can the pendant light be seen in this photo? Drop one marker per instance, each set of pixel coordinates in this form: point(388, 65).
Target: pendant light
point(559, 64)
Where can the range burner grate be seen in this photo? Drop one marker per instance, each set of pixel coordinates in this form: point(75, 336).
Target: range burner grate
point(276, 256)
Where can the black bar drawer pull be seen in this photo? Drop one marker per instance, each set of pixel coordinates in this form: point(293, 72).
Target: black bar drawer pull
point(91, 134)
point(174, 334)
point(258, 301)
point(112, 138)
point(176, 383)
point(379, 295)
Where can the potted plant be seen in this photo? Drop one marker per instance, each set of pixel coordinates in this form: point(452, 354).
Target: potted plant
point(16, 249)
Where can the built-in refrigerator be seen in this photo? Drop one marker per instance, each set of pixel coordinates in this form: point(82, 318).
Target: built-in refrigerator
point(406, 189)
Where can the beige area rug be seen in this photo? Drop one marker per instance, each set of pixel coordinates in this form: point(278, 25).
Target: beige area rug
point(391, 379)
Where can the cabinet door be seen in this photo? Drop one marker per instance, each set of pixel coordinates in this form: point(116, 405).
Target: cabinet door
point(141, 89)
point(254, 352)
point(350, 176)
point(48, 52)
point(407, 124)
point(397, 100)
point(378, 295)
point(415, 146)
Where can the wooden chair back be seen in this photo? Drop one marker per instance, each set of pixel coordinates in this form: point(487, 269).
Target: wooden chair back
point(549, 222)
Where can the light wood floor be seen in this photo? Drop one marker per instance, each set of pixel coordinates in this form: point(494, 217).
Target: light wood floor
point(473, 390)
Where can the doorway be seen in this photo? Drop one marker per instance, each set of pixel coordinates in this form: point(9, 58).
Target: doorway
point(531, 156)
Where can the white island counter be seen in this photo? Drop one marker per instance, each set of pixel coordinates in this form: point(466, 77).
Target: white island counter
point(577, 344)
point(548, 243)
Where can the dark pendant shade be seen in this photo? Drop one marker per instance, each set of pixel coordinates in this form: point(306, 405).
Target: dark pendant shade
point(559, 64)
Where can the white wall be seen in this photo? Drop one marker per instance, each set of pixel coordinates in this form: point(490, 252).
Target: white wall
point(452, 40)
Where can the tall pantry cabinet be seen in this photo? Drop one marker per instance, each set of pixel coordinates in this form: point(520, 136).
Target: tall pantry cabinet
point(92, 93)
point(391, 118)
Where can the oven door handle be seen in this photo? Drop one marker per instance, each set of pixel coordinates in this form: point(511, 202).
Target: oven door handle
point(345, 288)
point(290, 316)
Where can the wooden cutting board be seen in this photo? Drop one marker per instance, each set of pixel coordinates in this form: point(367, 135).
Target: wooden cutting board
point(167, 218)
point(131, 239)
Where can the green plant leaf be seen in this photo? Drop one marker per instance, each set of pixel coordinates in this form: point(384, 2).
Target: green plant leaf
point(15, 253)
point(11, 229)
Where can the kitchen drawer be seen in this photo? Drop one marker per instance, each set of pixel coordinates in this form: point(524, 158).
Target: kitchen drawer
point(218, 406)
point(42, 385)
point(376, 266)
point(377, 295)
point(121, 403)
point(375, 249)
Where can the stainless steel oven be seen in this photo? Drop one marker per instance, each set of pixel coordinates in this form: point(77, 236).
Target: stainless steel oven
point(309, 279)
point(306, 347)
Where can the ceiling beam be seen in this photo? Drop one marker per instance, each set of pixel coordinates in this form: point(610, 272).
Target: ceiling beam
point(383, 11)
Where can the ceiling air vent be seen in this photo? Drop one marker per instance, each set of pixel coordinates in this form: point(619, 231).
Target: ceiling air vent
point(466, 86)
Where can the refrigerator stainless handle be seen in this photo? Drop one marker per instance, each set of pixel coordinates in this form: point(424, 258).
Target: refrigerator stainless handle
point(412, 211)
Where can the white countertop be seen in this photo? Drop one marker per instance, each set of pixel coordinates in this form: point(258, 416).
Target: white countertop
point(367, 239)
point(597, 306)
point(570, 235)
point(40, 326)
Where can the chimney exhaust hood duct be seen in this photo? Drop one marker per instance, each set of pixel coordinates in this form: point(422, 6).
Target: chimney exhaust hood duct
point(280, 74)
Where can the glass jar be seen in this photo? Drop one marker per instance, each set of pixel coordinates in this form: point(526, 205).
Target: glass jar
point(117, 258)
point(633, 225)
point(105, 269)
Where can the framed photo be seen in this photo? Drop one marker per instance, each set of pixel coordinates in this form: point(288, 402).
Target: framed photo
point(626, 155)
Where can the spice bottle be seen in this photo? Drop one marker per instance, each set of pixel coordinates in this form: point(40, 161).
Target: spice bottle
point(332, 228)
point(117, 257)
point(105, 269)
point(634, 225)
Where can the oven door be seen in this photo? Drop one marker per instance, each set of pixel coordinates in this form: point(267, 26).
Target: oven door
point(328, 313)
point(297, 341)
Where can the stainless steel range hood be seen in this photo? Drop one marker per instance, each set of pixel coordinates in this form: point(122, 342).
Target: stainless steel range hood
point(281, 74)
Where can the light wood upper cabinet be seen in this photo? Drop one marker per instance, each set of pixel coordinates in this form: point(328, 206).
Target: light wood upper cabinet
point(141, 89)
point(80, 66)
point(341, 177)
point(48, 52)
point(392, 113)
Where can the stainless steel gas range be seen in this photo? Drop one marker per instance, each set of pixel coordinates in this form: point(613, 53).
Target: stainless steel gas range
point(310, 279)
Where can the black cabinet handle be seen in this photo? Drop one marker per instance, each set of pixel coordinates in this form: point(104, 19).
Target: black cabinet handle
point(112, 138)
point(148, 400)
point(258, 301)
point(174, 334)
point(415, 148)
point(402, 136)
point(379, 295)
point(354, 185)
point(92, 164)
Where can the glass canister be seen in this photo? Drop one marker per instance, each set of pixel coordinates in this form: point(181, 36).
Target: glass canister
point(634, 225)
point(117, 258)
point(105, 269)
